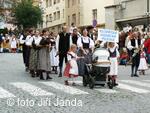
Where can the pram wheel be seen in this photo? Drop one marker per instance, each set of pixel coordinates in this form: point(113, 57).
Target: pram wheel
point(91, 83)
point(85, 83)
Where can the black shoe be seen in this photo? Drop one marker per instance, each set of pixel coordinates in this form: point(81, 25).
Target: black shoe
point(116, 84)
point(41, 77)
point(136, 75)
point(132, 75)
point(48, 77)
point(27, 69)
point(60, 75)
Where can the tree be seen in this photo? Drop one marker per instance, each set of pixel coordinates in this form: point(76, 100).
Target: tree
point(27, 15)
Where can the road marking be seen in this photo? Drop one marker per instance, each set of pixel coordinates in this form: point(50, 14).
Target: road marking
point(133, 89)
point(5, 94)
point(66, 89)
point(146, 80)
point(107, 90)
point(136, 83)
point(77, 82)
point(31, 89)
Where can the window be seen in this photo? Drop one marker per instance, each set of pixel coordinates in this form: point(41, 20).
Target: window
point(68, 20)
point(63, 13)
point(50, 2)
point(79, 1)
point(94, 14)
point(46, 3)
point(79, 18)
point(68, 3)
point(50, 17)
point(54, 2)
point(58, 1)
point(54, 16)
point(46, 18)
point(74, 19)
point(73, 2)
point(58, 15)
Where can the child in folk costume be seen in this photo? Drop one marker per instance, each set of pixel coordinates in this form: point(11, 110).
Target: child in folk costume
point(114, 55)
point(143, 64)
point(71, 69)
point(13, 44)
point(53, 55)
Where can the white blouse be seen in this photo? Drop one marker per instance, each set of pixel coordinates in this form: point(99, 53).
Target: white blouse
point(37, 40)
point(29, 40)
point(85, 40)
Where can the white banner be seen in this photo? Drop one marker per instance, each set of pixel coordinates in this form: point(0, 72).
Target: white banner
point(108, 35)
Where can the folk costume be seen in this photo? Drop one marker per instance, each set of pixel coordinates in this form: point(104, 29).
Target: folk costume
point(87, 44)
point(63, 44)
point(71, 69)
point(132, 45)
point(44, 62)
point(143, 64)
point(22, 43)
point(114, 54)
point(33, 62)
point(28, 43)
point(53, 55)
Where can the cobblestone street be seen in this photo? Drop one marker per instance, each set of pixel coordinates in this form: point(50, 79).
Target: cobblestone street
point(19, 93)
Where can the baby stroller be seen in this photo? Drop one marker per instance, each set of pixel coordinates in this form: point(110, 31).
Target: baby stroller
point(96, 72)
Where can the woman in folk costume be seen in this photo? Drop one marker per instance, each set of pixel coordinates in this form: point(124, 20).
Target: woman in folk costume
point(33, 62)
point(143, 64)
point(86, 46)
point(13, 44)
point(53, 53)
point(44, 62)
point(114, 55)
point(71, 69)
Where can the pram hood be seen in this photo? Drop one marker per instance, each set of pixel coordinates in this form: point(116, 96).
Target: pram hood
point(100, 57)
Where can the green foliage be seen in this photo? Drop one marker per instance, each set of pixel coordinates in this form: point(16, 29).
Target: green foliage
point(27, 15)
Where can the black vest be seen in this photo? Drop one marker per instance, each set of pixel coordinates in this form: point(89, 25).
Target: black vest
point(64, 42)
point(113, 54)
point(74, 39)
point(133, 42)
point(85, 45)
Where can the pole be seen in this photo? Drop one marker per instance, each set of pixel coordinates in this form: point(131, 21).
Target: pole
point(147, 15)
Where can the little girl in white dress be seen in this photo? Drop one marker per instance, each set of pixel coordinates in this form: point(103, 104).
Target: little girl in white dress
point(71, 69)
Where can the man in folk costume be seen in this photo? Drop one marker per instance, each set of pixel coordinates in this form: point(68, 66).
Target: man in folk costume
point(22, 43)
point(133, 45)
point(74, 36)
point(28, 43)
point(63, 44)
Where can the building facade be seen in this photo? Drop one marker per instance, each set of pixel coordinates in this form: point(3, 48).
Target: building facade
point(54, 14)
point(82, 13)
point(124, 12)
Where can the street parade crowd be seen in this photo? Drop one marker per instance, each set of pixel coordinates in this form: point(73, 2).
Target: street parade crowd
point(67, 52)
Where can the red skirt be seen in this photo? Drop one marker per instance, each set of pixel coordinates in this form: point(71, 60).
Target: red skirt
point(67, 70)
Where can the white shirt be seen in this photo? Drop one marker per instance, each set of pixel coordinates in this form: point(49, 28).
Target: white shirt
point(85, 40)
point(29, 40)
point(21, 39)
point(13, 43)
point(37, 40)
point(113, 49)
point(130, 47)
